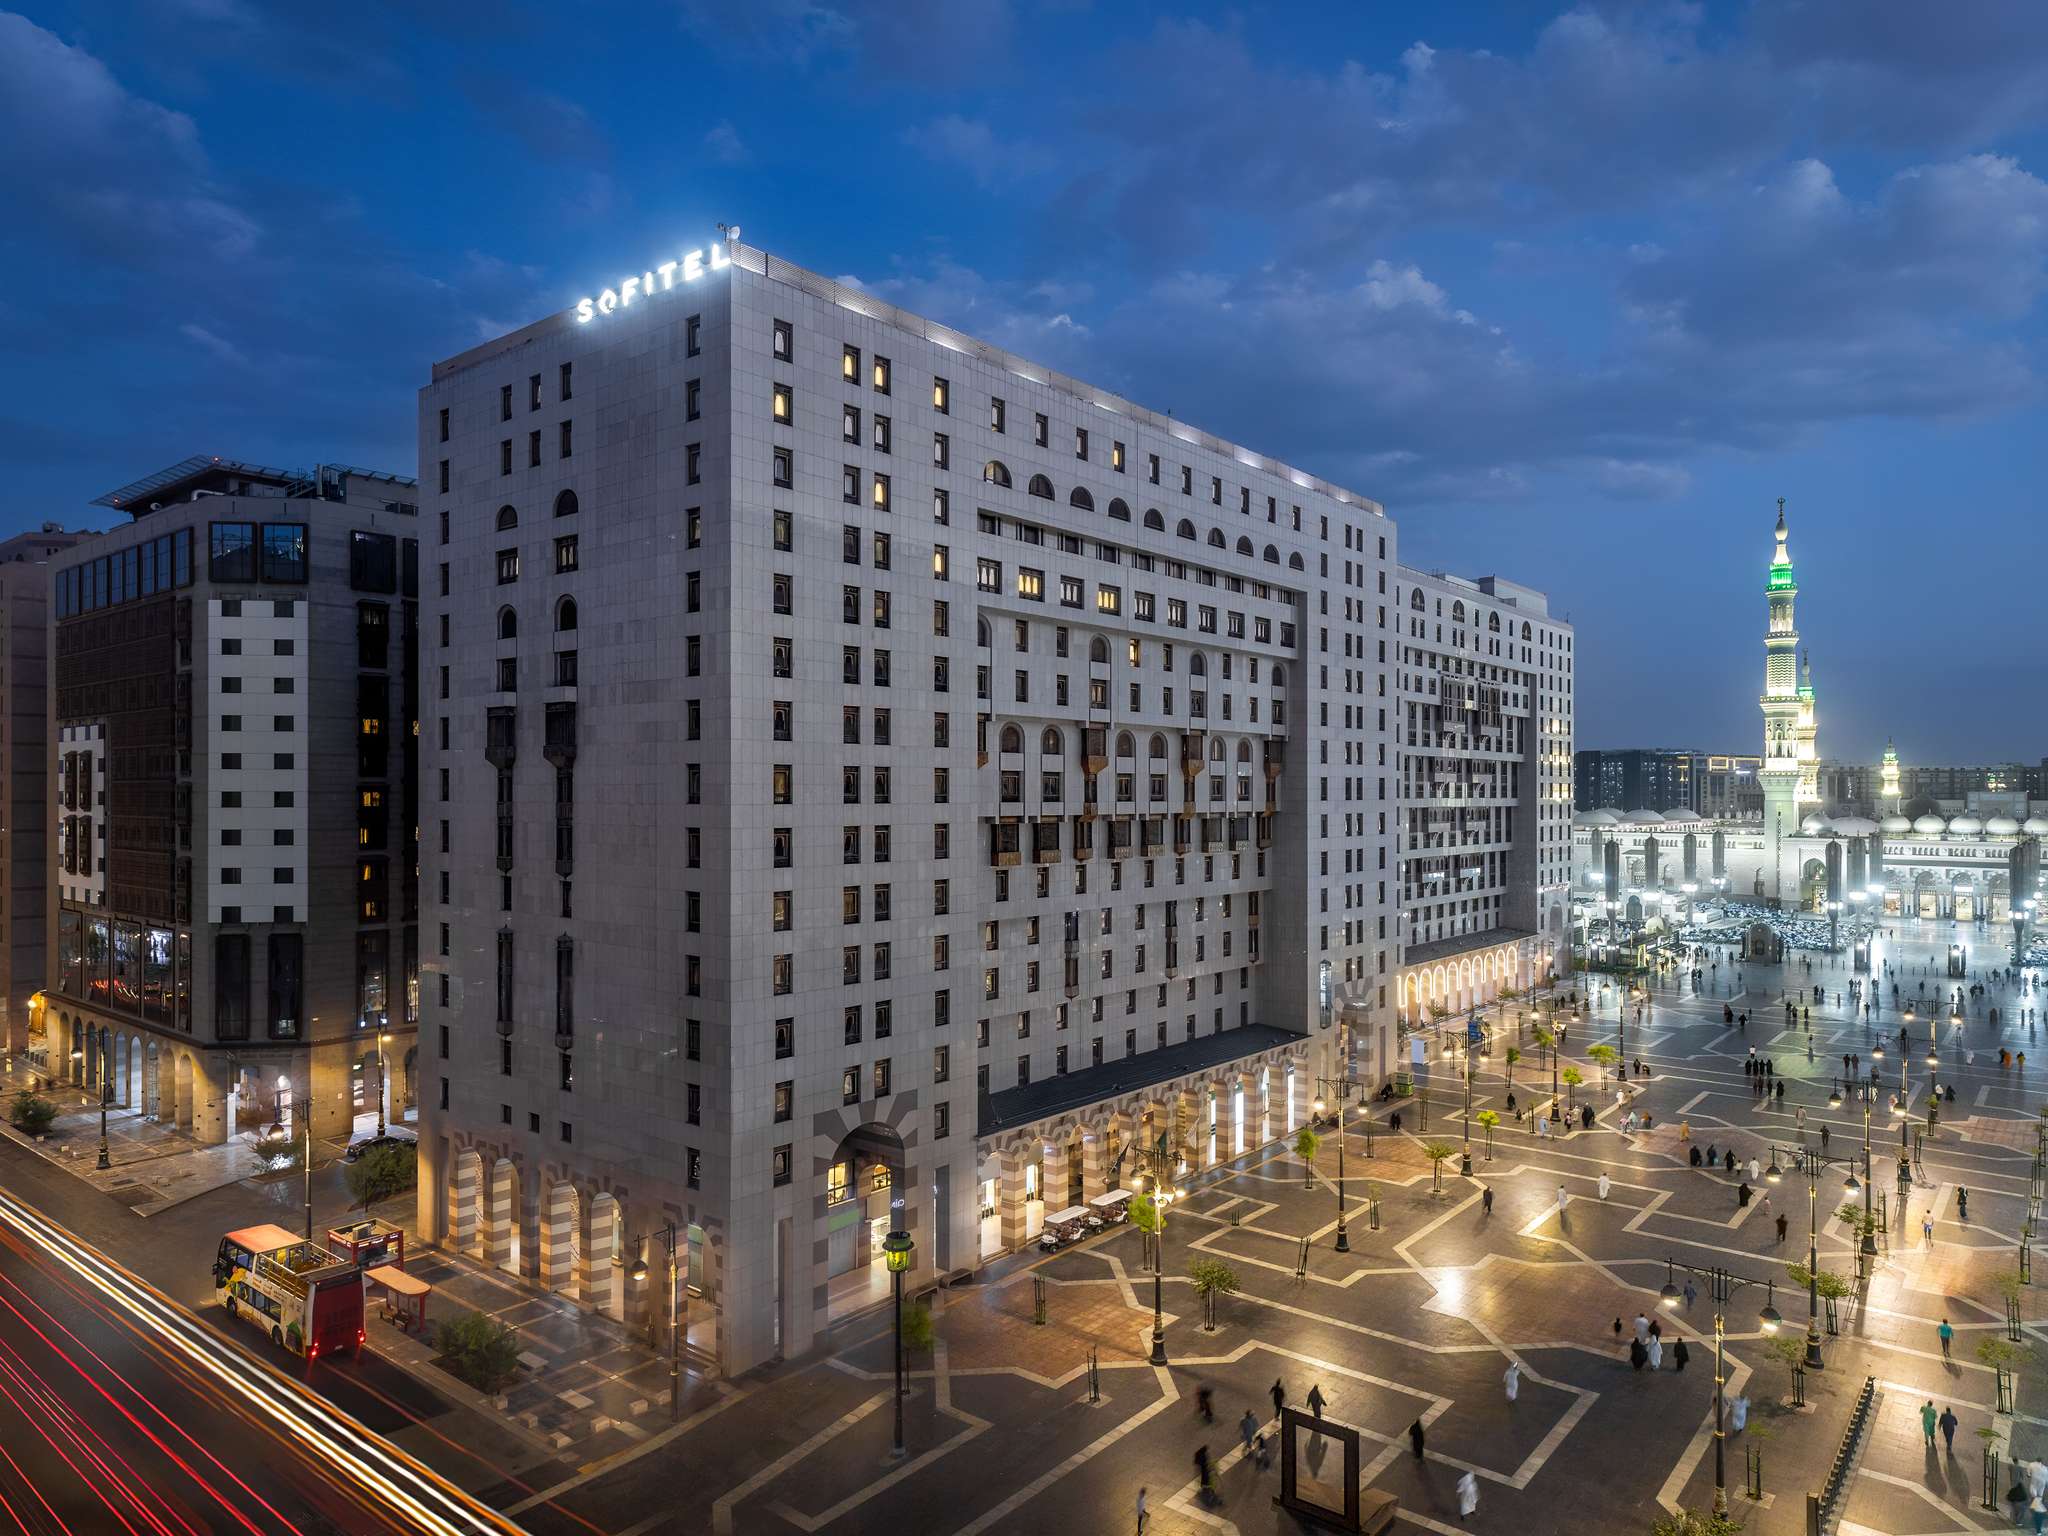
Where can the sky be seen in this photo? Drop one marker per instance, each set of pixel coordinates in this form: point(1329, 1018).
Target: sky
point(1576, 294)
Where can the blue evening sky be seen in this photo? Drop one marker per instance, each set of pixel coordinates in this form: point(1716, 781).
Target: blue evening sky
point(1576, 293)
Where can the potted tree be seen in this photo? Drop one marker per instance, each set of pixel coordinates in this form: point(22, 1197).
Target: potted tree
point(1212, 1278)
point(1488, 1119)
point(1306, 1142)
point(1436, 1152)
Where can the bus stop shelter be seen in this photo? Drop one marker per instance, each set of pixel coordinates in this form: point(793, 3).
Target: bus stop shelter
point(404, 1302)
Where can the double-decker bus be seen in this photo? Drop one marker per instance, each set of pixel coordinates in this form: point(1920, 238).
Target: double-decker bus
point(308, 1299)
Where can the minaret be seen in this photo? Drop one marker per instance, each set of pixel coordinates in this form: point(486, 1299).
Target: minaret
point(1809, 751)
point(1781, 774)
point(1889, 798)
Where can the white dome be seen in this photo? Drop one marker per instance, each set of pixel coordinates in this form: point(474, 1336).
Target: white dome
point(1644, 818)
point(1596, 819)
point(1929, 826)
point(2038, 825)
point(1855, 826)
point(2001, 826)
point(1897, 824)
point(1965, 826)
point(1814, 825)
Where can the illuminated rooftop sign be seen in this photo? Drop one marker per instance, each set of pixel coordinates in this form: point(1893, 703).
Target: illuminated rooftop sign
point(687, 268)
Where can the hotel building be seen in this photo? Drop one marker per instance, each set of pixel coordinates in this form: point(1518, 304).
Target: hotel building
point(873, 781)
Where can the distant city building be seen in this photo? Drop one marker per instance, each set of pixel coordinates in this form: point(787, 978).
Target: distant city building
point(1729, 789)
point(1638, 778)
point(234, 837)
point(25, 779)
point(1888, 787)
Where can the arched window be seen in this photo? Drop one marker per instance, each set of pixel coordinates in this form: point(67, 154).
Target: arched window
point(1040, 487)
point(1125, 747)
point(1525, 629)
point(565, 614)
point(1415, 601)
point(996, 472)
point(1493, 623)
point(1458, 613)
point(1049, 742)
point(1244, 752)
point(1184, 529)
point(1279, 678)
point(1077, 497)
point(1012, 739)
point(981, 633)
point(1098, 650)
point(1244, 546)
point(1198, 665)
point(1216, 752)
point(1158, 748)
point(1119, 509)
point(508, 624)
point(508, 517)
point(1154, 521)
point(1272, 555)
point(1294, 562)
point(1216, 540)
point(565, 504)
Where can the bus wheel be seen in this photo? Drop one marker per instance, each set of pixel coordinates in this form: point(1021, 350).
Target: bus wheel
point(277, 1336)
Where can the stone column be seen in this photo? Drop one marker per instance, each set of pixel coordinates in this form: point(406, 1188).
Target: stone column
point(1052, 1177)
point(149, 1075)
point(598, 1284)
point(557, 1237)
point(209, 1101)
point(1193, 1130)
point(1095, 1161)
point(501, 1210)
point(1010, 1197)
point(464, 1193)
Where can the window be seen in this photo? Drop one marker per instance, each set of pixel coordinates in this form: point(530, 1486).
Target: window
point(881, 376)
point(533, 449)
point(785, 403)
point(693, 335)
point(783, 526)
point(998, 415)
point(942, 399)
point(1109, 600)
point(942, 451)
point(566, 390)
point(693, 462)
point(989, 575)
point(1041, 429)
point(781, 1164)
point(785, 467)
point(508, 566)
point(1030, 584)
point(284, 552)
point(881, 493)
point(784, 344)
point(565, 554)
point(849, 423)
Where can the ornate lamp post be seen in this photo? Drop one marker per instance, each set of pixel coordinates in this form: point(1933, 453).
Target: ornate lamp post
point(676, 1329)
point(1811, 1163)
point(1866, 1249)
point(107, 1093)
point(383, 1040)
point(1343, 1238)
point(897, 1249)
point(1721, 1285)
point(1451, 1045)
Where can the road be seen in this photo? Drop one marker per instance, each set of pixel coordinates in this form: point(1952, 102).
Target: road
point(120, 1412)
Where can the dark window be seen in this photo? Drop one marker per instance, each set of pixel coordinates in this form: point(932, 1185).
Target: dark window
point(231, 986)
point(287, 968)
point(284, 552)
point(372, 562)
point(233, 552)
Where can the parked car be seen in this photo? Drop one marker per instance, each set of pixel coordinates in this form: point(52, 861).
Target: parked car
point(395, 1136)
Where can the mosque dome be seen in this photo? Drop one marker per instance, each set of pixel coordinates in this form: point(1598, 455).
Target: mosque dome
point(1928, 826)
point(2001, 826)
point(2037, 825)
point(1854, 826)
point(1965, 826)
point(1922, 805)
point(1596, 819)
point(1897, 824)
point(1644, 818)
point(1815, 825)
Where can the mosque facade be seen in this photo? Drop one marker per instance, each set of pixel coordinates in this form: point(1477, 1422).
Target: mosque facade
point(1977, 864)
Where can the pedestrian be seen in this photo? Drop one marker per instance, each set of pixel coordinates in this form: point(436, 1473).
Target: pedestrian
point(1947, 1334)
point(2016, 1500)
point(1755, 1170)
point(1315, 1399)
point(1142, 1517)
point(1563, 1200)
point(1696, 1157)
point(1279, 1399)
point(1247, 1428)
point(1948, 1423)
point(1205, 1405)
point(1962, 1203)
point(1202, 1469)
point(1656, 1354)
point(1738, 1414)
point(1742, 1195)
point(1262, 1455)
point(1799, 1119)
point(1468, 1495)
point(1486, 1200)
point(1823, 1137)
point(1679, 1355)
point(1926, 1222)
point(1511, 1379)
point(1603, 1186)
point(2037, 1478)
point(1781, 1226)
point(1637, 1354)
point(1415, 1438)
point(1642, 1327)
point(1692, 1293)
point(1713, 1153)
point(1617, 1330)
point(1928, 1419)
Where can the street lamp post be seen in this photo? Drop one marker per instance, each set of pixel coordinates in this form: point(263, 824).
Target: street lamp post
point(382, 1040)
point(1161, 1198)
point(1811, 1164)
point(1721, 1285)
point(1451, 1044)
point(106, 1092)
point(1866, 1249)
point(897, 1248)
point(1339, 1086)
point(676, 1328)
point(1834, 919)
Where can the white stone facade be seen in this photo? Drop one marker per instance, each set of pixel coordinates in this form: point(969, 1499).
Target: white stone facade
point(937, 761)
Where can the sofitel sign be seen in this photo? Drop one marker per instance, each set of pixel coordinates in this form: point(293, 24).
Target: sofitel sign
point(685, 269)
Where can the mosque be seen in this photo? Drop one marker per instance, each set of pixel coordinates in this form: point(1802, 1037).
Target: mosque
point(1918, 861)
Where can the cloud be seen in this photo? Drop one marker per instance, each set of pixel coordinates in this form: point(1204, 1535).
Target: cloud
point(550, 126)
point(225, 351)
point(724, 145)
point(971, 144)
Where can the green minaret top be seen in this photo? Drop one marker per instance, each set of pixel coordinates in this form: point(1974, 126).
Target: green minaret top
point(1781, 559)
